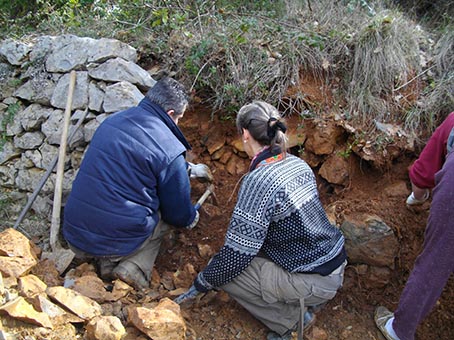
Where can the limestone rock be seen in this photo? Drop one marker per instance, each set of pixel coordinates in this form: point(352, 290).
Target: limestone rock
point(28, 179)
point(106, 48)
point(52, 127)
point(370, 241)
point(237, 145)
point(116, 70)
point(215, 141)
point(14, 51)
point(119, 291)
point(8, 152)
point(324, 140)
point(80, 305)
point(132, 333)
point(95, 97)
point(205, 251)
point(163, 322)
point(67, 53)
point(31, 285)
point(185, 277)
point(47, 272)
point(80, 96)
point(90, 286)
point(236, 166)
point(295, 134)
point(39, 88)
point(105, 328)
point(7, 72)
point(335, 169)
point(16, 255)
point(121, 96)
point(57, 314)
point(33, 116)
point(2, 285)
point(90, 128)
point(22, 310)
point(29, 140)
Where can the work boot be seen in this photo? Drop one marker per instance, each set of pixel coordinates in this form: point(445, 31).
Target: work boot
point(317, 308)
point(131, 274)
point(105, 268)
point(309, 319)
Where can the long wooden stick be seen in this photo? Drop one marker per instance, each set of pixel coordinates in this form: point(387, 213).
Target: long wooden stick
point(55, 224)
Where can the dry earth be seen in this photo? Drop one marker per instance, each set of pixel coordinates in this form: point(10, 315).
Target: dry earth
point(350, 314)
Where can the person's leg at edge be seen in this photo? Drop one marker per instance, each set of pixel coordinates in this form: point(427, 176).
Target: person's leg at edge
point(430, 273)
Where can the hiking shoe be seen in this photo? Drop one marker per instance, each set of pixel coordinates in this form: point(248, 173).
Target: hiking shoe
point(276, 336)
point(381, 317)
point(131, 274)
point(411, 199)
point(309, 320)
point(316, 308)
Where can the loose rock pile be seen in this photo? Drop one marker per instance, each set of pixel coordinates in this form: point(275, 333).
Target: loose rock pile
point(36, 303)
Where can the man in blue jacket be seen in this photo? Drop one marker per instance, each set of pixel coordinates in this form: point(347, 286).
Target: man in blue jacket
point(133, 183)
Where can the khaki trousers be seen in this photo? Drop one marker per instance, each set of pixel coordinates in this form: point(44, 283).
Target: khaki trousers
point(278, 298)
point(144, 257)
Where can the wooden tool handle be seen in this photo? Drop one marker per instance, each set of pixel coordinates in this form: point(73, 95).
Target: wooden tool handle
point(55, 224)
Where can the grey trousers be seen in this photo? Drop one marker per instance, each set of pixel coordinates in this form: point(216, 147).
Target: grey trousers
point(144, 257)
point(275, 297)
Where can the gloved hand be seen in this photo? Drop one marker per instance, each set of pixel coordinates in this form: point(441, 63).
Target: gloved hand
point(194, 223)
point(200, 171)
point(190, 294)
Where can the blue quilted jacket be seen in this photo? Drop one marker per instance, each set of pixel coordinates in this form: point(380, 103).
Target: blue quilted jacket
point(133, 170)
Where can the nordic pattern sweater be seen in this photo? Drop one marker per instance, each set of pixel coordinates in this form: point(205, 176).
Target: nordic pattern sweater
point(278, 213)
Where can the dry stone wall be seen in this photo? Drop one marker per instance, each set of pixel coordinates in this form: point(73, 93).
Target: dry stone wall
point(34, 82)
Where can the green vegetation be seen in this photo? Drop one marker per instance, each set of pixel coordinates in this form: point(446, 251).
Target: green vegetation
point(390, 61)
point(7, 119)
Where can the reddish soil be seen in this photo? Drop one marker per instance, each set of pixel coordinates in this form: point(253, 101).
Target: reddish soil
point(350, 314)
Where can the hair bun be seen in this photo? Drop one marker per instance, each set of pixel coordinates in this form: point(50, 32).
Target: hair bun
point(274, 125)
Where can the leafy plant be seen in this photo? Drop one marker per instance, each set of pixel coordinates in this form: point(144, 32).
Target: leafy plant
point(7, 119)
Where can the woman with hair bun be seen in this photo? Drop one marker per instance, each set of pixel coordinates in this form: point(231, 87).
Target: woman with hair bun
point(281, 257)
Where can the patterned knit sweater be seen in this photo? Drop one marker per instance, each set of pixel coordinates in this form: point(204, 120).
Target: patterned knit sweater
point(279, 214)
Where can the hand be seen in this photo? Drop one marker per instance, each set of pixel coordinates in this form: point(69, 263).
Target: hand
point(201, 172)
point(191, 294)
point(195, 221)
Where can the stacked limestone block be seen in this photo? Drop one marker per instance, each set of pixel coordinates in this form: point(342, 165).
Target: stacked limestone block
point(34, 81)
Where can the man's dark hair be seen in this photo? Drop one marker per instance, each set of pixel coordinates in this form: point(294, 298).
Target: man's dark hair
point(170, 95)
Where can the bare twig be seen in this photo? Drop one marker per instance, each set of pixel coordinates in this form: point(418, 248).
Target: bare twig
point(198, 74)
point(414, 78)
